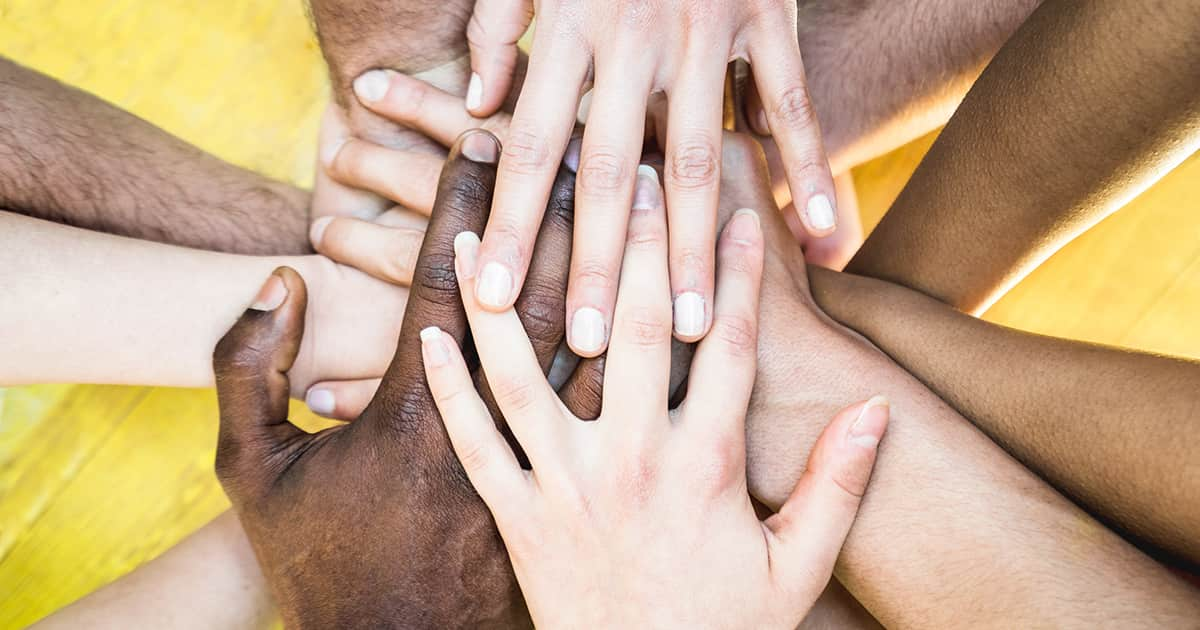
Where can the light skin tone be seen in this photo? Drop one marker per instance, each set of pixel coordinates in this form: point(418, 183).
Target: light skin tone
point(641, 517)
point(69, 157)
point(1036, 155)
point(1083, 416)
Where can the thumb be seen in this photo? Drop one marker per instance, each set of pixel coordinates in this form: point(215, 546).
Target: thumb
point(492, 34)
point(250, 364)
point(812, 525)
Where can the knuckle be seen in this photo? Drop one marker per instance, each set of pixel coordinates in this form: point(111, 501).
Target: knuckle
point(601, 171)
point(693, 165)
point(515, 393)
point(467, 197)
point(593, 274)
point(692, 260)
point(541, 314)
point(235, 357)
point(646, 327)
point(646, 232)
point(474, 457)
point(725, 465)
point(739, 334)
point(793, 107)
point(852, 480)
point(525, 152)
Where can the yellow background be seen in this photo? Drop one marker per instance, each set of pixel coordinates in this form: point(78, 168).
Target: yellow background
point(96, 480)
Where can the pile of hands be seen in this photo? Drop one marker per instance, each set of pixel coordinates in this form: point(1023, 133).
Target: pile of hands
point(517, 449)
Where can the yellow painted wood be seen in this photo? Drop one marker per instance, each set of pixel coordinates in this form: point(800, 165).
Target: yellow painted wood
point(96, 480)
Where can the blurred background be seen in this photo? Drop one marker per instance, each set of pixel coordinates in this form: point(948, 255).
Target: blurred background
point(96, 480)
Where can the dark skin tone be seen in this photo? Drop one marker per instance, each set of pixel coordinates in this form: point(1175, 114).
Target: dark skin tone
point(374, 524)
point(69, 157)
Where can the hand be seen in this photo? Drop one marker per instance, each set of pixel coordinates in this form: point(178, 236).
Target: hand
point(372, 523)
point(681, 47)
point(641, 518)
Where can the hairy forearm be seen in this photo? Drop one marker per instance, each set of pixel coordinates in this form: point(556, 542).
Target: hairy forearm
point(86, 307)
point(883, 73)
point(1087, 105)
point(69, 157)
point(209, 580)
point(1115, 429)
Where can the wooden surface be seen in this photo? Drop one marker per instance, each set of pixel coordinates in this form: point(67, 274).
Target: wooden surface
point(96, 480)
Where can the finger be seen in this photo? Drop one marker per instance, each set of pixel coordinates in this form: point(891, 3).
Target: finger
point(418, 105)
point(779, 76)
point(485, 456)
point(836, 250)
point(329, 197)
point(250, 364)
point(608, 164)
point(492, 35)
point(756, 116)
point(583, 392)
point(813, 523)
point(529, 405)
point(464, 194)
point(537, 136)
point(638, 369)
point(692, 178)
point(404, 177)
point(341, 400)
point(389, 254)
point(723, 368)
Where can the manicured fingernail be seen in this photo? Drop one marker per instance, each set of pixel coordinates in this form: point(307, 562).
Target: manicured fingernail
point(646, 191)
point(466, 249)
point(689, 314)
point(318, 230)
point(271, 295)
point(495, 285)
point(585, 105)
point(761, 121)
point(745, 226)
point(480, 146)
point(371, 86)
point(320, 401)
point(330, 150)
point(571, 156)
point(434, 344)
point(820, 213)
point(868, 428)
point(587, 330)
point(474, 92)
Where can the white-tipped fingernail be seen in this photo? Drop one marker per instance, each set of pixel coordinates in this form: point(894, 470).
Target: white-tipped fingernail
point(466, 249)
point(689, 314)
point(745, 230)
point(646, 191)
point(587, 330)
point(371, 86)
point(434, 343)
point(318, 230)
point(474, 92)
point(585, 106)
point(820, 213)
point(495, 285)
point(871, 422)
point(320, 401)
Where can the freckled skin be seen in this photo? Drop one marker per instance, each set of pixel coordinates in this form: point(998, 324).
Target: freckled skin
point(374, 524)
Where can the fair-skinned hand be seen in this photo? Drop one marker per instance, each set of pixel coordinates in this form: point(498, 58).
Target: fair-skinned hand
point(634, 50)
point(641, 518)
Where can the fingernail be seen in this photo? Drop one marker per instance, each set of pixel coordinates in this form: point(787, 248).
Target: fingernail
point(434, 344)
point(646, 191)
point(466, 249)
point(868, 428)
point(474, 92)
point(371, 86)
point(495, 285)
point(571, 156)
point(689, 314)
point(745, 230)
point(761, 121)
point(271, 295)
point(585, 105)
point(480, 146)
point(587, 330)
point(320, 401)
point(318, 230)
point(330, 150)
point(820, 213)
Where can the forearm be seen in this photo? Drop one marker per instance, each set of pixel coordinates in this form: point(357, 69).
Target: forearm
point(1087, 105)
point(1117, 430)
point(883, 73)
point(210, 580)
point(69, 157)
point(86, 307)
